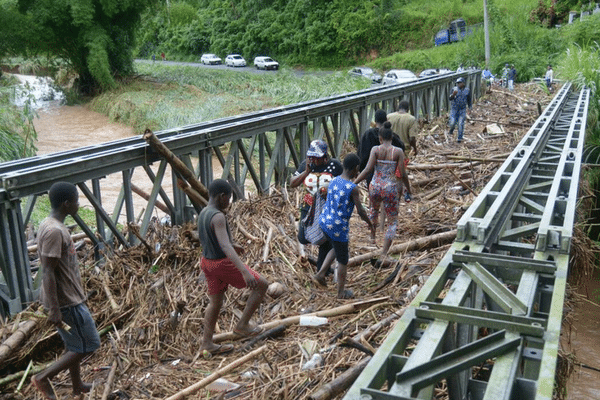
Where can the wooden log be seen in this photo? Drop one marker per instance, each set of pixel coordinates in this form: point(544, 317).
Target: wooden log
point(175, 162)
point(423, 243)
point(110, 380)
point(433, 194)
point(194, 196)
point(14, 340)
point(367, 333)
point(217, 374)
point(432, 167)
point(75, 237)
point(265, 256)
point(271, 333)
point(332, 312)
point(499, 159)
point(341, 383)
point(140, 192)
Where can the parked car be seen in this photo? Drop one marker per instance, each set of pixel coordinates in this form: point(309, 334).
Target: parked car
point(265, 63)
point(428, 72)
point(366, 72)
point(235, 60)
point(210, 59)
point(395, 76)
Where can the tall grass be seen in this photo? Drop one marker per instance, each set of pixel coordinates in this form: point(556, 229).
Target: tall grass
point(17, 133)
point(180, 95)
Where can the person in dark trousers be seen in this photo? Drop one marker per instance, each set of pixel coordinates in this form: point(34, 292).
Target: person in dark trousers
point(315, 172)
point(342, 196)
point(62, 293)
point(549, 77)
point(222, 267)
point(512, 77)
point(461, 99)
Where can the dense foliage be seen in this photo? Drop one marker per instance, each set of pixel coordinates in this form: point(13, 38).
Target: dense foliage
point(17, 134)
point(95, 36)
point(321, 33)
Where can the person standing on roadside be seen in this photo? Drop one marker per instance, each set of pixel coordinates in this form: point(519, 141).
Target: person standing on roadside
point(512, 76)
point(549, 77)
point(62, 293)
point(505, 75)
point(222, 267)
point(162, 56)
point(461, 103)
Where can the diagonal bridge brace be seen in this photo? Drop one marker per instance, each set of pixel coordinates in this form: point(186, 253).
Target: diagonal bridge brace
point(457, 360)
point(506, 299)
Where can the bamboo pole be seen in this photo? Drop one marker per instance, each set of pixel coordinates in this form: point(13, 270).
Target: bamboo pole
point(331, 312)
point(194, 196)
point(175, 162)
point(14, 340)
point(110, 380)
point(431, 167)
point(11, 378)
point(146, 196)
point(217, 374)
point(423, 243)
point(341, 383)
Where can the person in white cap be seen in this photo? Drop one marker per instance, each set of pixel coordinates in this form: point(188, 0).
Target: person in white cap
point(461, 99)
point(315, 172)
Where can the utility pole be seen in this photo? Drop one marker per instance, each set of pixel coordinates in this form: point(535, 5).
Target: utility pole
point(486, 28)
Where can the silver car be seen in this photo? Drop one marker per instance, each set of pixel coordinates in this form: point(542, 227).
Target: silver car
point(365, 72)
point(395, 76)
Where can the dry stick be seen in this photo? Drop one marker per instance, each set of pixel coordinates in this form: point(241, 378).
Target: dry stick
point(14, 340)
point(367, 333)
point(465, 184)
point(111, 299)
point(135, 230)
point(110, 380)
point(265, 256)
point(332, 312)
point(243, 230)
point(341, 383)
point(271, 333)
point(433, 194)
point(20, 385)
point(175, 162)
point(17, 375)
point(217, 374)
point(422, 243)
point(499, 159)
point(139, 191)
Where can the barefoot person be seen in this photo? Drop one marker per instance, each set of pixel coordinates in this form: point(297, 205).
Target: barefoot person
point(62, 293)
point(342, 196)
point(223, 267)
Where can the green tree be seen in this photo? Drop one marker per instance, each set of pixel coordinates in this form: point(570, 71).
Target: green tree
point(95, 36)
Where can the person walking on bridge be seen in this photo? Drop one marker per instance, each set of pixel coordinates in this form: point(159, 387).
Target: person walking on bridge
point(461, 99)
point(62, 293)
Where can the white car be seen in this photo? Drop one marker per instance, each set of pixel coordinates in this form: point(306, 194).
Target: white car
point(210, 59)
point(395, 76)
point(265, 63)
point(235, 60)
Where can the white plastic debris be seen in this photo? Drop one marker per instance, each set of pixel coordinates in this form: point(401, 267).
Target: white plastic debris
point(315, 361)
point(312, 320)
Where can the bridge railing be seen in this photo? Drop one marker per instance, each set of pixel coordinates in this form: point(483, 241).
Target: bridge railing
point(255, 150)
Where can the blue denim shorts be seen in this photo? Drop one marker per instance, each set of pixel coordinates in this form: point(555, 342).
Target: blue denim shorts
point(83, 336)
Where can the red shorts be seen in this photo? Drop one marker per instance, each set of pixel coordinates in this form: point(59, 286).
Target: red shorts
point(221, 273)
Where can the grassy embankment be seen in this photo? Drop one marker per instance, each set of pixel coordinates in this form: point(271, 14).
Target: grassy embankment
point(172, 96)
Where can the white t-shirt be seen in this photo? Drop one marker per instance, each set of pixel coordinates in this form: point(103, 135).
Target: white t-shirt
point(549, 74)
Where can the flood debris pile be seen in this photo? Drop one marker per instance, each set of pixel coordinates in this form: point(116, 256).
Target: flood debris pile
point(148, 301)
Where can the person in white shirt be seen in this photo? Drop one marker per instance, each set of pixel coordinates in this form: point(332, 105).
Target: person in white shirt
point(549, 77)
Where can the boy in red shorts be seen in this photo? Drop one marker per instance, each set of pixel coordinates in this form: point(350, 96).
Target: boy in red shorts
point(223, 267)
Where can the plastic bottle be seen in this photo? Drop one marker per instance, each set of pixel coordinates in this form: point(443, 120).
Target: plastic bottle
point(312, 320)
point(315, 361)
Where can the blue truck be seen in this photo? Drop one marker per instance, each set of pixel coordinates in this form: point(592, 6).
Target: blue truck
point(457, 30)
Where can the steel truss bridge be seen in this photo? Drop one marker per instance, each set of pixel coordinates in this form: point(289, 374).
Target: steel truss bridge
point(488, 319)
point(261, 148)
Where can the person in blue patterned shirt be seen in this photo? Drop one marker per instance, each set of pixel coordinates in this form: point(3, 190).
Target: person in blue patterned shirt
point(342, 196)
point(461, 99)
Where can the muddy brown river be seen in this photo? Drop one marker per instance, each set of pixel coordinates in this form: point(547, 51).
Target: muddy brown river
point(69, 127)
